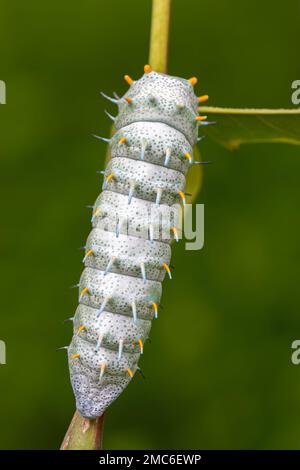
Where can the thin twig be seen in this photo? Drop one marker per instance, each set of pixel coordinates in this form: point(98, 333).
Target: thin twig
point(84, 434)
point(159, 38)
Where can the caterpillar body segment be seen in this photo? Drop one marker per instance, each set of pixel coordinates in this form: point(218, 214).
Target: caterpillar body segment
point(134, 219)
point(151, 142)
point(114, 214)
point(121, 290)
point(146, 179)
point(129, 252)
point(109, 329)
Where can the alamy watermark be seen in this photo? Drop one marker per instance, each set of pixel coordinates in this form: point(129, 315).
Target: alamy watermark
point(2, 92)
point(296, 94)
point(156, 222)
point(295, 357)
point(2, 352)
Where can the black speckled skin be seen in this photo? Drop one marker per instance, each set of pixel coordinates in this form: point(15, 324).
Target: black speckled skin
point(155, 131)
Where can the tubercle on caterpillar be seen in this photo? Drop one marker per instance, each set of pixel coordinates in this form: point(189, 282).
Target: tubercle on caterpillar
point(120, 287)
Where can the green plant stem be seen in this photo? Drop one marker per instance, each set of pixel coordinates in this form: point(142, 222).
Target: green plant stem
point(84, 434)
point(159, 38)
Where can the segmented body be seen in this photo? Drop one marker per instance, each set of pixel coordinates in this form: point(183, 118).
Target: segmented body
point(128, 250)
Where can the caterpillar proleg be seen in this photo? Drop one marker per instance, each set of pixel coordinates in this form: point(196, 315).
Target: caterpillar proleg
point(128, 253)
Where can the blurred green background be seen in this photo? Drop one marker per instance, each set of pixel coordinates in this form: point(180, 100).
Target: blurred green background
point(219, 373)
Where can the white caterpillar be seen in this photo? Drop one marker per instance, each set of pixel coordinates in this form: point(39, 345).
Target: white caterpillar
point(128, 250)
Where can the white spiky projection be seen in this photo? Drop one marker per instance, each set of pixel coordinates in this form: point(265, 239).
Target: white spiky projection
point(135, 219)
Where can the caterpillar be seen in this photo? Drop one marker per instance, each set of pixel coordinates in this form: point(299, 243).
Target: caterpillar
point(135, 219)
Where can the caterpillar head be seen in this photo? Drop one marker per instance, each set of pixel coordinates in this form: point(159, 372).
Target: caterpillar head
point(161, 98)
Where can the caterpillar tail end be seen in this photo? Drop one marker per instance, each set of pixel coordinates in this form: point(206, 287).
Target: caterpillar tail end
point(91, 401)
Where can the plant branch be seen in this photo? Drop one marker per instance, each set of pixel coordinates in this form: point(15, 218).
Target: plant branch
point(84, 434)
point(159, 37)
